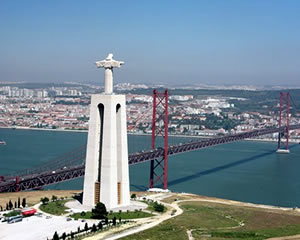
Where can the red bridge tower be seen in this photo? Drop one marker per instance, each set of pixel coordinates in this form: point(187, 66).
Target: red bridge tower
point(284, 121)
point(159, 167)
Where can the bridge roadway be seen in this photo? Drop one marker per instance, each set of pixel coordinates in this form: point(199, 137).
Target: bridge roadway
point(36, 180)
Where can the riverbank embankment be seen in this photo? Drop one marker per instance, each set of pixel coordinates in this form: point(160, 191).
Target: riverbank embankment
point(291, 140)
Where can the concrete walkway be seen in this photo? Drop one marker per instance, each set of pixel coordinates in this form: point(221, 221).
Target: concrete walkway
point(144, 223)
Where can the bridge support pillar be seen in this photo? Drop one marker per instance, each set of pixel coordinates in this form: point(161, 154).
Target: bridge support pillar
point(159, 167)
point(17, 183)
point(284, 119)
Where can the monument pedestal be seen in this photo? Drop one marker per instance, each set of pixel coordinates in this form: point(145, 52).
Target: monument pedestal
point(106, 171)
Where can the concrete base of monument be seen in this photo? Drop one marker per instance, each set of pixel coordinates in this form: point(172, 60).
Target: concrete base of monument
point(75, 206)
point(158, 190)
point(284, 151)
point(134, 205)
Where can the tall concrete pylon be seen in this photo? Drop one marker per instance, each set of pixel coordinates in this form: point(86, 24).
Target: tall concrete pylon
point(106, 177)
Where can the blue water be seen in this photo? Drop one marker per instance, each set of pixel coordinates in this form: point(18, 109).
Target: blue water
point(245, 171)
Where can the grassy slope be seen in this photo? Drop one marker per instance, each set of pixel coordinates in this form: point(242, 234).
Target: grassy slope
point(209, 218)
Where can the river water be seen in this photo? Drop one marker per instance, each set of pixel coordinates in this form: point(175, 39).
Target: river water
point(245, 171)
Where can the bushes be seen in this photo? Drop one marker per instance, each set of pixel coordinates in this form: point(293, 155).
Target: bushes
point(12, 213)
point(158, 207)
point(44, 200)
point(133, 196)
point(53, 198)
point(155, 206)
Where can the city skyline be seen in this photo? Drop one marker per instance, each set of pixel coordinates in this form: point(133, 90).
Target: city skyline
point(232, 42)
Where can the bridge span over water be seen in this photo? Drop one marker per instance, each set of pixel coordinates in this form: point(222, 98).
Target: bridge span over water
point(72, 165)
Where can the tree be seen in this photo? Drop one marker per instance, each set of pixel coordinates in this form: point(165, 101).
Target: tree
point(94, 228)
point(44, 200)
point(24, 202)
point(99, 211)
point(100, 226)
point(86, 227)
point(82, 213)
point(158, 207)
point(55, 236)
point(10, 205)
point(64, 236)
point(54, 198)
point(114, 222)
point(133, 196)
point(19, 202)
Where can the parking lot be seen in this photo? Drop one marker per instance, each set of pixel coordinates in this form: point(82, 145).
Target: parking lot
point(40, 227)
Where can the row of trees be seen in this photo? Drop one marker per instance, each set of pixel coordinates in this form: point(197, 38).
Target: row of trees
point(17, 204)
point(87, 229)
point(98, 212)
point(45, 200)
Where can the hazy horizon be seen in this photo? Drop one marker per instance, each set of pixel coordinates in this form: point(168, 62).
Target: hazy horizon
point(171, 42)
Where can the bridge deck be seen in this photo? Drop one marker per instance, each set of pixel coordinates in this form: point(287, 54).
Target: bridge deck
point(63, 169)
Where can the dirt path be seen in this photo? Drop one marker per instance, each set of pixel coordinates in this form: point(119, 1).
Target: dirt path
point(190, 235)
point(239, 224)
point(295, 237)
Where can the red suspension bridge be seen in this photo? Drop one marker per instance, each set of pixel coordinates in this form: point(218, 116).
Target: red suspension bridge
point(72, 165)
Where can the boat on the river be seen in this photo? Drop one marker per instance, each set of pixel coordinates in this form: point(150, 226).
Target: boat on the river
point(2, 142)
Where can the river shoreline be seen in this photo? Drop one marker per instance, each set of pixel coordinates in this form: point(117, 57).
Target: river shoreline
point(34, 197)
point(148, 134)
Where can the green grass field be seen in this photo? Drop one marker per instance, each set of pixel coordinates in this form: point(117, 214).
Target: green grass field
point(218, 221)
point(55, 208)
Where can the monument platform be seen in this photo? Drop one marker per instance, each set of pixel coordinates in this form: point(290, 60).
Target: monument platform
point(283, 151)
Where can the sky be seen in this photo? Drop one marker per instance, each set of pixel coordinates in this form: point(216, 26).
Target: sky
point(245, 42)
